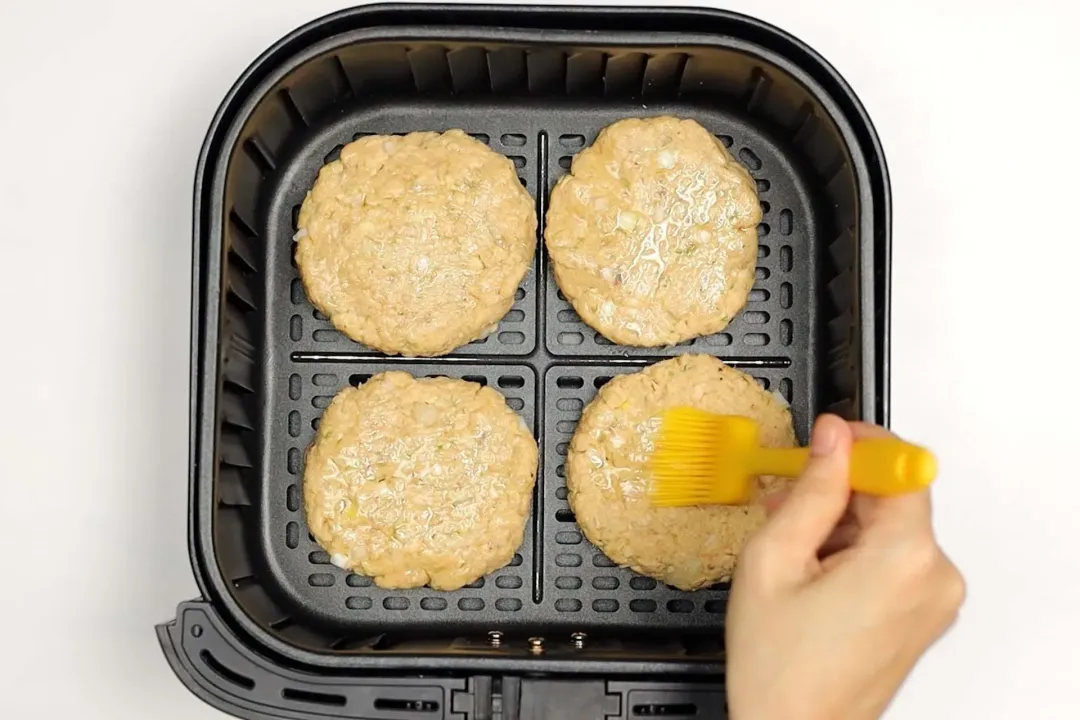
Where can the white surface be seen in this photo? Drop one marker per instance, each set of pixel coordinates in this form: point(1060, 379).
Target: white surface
point(103, 106)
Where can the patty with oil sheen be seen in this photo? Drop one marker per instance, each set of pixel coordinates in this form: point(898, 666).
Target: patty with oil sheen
point(653, 233)
point(416, 244)
point(686, 547)
point(420, 481)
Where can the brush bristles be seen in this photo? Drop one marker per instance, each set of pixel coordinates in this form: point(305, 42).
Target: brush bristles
point(688, 466)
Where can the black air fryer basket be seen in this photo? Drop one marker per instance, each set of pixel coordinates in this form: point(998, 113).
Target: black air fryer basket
point(561, 633)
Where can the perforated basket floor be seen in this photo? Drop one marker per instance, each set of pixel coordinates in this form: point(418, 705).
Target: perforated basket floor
point(542, 358)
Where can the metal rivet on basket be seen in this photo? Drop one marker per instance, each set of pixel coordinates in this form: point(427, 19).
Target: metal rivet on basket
point(196, 630)
point(536, 645)
point(578, 639)
point(495, 638)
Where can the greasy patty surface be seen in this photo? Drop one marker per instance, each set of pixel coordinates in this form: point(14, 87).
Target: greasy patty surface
point(416, 244)
point(653, 233)
point(420, 481)
point(687, 547)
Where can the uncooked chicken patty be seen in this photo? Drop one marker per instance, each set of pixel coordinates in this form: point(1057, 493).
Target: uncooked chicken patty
point(420, 481)
point(607, 479)
point(416, 244)
point(653, 233)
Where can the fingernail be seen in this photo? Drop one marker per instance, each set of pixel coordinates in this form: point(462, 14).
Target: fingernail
point(824, 440)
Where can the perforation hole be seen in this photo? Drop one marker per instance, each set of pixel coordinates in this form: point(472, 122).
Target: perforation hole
point(568, 538)
point(295, 217)
point(750, 159)
point(786, 258)
point(755, 317)
point(476, 584)
point(785, 388)
point(292, 535)
point(786, 328)
point(572, 141)
point(601, 560)
point(508, 604)
point(643, 606)
point(605, 582)
point(518, 160)
point(763, 185)
point(520, 294)
point(562, 448)
point(359, 379)
point(292, 498)
point(358, 602)
point(294, 387)
point(680, 606)
point(566, 161)
point(292, 461)
point(294, 424)
point(566, 516)
point(758, 295)
point(516, 560)
point(358, 581)
point(321, 401)
point(319, 557)
point(511, 338)
point(601, 381)
point(482, 137)
point(568, 560)
point(296, 328)
point(715, 607)
point(561, 470)
point(565, 426)
point(601, 340)
point(561, 493)
point(642, 583)
point(787, 221)
point(571, 338)
point(433, 604)
point(320, 580)
point(568, 605)
point(396, 603)
point(785, 295)
point(333, 155)
point(470, 604)
point(605, 605)
point(515, 404)
point(514, 316)
point(325, 335)
point(513, 139)
point(570, 404)
point(508, 582)
point(568, 582)
point(725, 140)
point(478, 379)
point(511, 381)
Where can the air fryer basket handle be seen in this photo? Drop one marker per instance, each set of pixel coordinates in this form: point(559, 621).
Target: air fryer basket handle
point(215, 665)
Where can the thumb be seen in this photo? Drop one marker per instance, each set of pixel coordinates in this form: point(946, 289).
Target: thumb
point(819, 497)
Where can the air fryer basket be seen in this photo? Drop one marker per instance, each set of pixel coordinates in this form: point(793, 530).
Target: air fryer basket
point(535, 84)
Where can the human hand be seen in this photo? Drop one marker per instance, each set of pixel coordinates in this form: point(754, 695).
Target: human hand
point(837, 596)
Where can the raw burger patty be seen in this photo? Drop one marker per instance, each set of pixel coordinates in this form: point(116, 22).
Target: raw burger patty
point(687, 547)
point(420, 481)
point(653, 233)
point(416, 244)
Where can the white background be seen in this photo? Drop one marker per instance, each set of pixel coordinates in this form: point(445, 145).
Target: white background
point(103, 106)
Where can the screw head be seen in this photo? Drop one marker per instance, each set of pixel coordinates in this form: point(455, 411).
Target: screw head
point(495, 638)
point(578, 639)
point(536, 645)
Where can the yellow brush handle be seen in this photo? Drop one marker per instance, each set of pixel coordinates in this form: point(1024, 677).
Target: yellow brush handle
point(879, 466)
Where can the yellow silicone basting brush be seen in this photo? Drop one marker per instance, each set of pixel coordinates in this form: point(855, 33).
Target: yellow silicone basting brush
point(703, 459)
